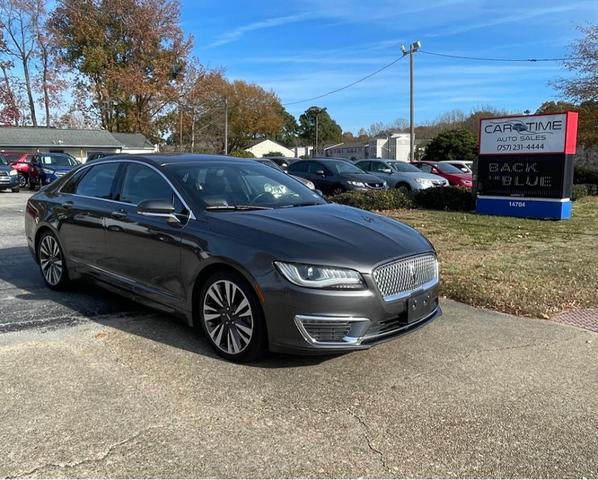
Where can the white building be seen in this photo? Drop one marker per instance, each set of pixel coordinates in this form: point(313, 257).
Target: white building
point(263, 147)
point(394, 146)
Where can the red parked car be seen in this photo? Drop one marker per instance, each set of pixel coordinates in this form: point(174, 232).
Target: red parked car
point(455, 176)
point(20, 161)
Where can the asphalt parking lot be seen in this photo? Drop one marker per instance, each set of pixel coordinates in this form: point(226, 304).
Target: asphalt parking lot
point(95, 386)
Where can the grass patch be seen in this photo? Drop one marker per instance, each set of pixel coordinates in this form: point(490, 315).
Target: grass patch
point(533, 268)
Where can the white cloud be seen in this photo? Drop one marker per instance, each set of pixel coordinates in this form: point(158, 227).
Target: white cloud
point(237, 33)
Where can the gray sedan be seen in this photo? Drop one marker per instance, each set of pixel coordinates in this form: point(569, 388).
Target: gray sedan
point(248, 256)
point(402, 175)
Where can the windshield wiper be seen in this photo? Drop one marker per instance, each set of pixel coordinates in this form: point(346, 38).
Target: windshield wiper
point(237, 207)
point(304, 204)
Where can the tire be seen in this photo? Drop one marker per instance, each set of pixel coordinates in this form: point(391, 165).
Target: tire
point(231, 318)
point(52, 263)
point(15, 190)
point(404, 188)
point(338, 190)
point(23, 181)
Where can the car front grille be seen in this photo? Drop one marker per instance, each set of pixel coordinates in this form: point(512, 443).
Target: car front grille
point(399, 278)
point(3, 174)
point(375, 185)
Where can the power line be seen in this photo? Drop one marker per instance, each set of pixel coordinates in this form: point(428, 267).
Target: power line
point(369, 75)
point(486, 59)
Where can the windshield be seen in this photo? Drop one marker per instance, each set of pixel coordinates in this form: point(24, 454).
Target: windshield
point(404, 167)
point(270, 163)
point(448, 168)
point(232, 186)
point(57, 160)
point(342, 167)
point(3, 160)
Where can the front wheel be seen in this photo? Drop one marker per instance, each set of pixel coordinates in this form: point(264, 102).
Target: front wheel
point(404, 189)
point(51, 262)
point(231, 318)
point(338, 190)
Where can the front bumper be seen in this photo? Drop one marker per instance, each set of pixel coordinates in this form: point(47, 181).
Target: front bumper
point(310, 321)
point(9, 181)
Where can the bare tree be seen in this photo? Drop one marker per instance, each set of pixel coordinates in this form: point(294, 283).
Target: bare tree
point(20, 21)
point(584, 63)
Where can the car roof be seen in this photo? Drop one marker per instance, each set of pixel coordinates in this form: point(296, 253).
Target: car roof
point(165, 159)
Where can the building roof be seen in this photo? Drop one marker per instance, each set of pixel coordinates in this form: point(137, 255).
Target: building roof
point(132, 141)
point(56, 137)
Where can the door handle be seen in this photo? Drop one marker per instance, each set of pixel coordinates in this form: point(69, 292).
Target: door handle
point(119, 214)
point(67, 205)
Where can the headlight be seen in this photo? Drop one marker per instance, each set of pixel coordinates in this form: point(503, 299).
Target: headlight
point(356, 184)
point(13, 173)
point(48, 171)
point(314, 276)
point(425, 182)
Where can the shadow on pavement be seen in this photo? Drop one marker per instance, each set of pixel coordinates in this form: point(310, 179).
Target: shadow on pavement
point(28, 303)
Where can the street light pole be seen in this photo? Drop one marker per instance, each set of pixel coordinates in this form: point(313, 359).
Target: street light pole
point(414, 47)
point(316, 111)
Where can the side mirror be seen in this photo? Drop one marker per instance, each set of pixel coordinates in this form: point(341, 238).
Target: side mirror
point(321, 173)
point(155, 208)
point(386, 170)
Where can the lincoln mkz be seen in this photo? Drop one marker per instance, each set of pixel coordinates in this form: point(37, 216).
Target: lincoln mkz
point(245, 253)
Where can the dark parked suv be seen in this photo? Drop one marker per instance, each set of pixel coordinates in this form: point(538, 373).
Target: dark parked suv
point(334, 176)
point(243, 252)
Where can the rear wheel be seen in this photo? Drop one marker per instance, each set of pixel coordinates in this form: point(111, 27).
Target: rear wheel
point(231, 318)
point(23, 180)
point(51, 262)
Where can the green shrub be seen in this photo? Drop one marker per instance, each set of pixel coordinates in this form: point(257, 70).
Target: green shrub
point(241, 154)
point(585, 175)
point(579, 191)
point(446, 198)
point(375, 199)
point(592, 188)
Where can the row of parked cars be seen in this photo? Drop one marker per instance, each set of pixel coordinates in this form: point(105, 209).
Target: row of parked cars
point(32, 170)
point(333, 176)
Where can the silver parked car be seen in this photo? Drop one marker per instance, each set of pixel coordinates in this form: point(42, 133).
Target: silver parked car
point(402, 175)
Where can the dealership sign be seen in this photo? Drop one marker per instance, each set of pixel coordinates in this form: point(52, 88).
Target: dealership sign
point(525, 166)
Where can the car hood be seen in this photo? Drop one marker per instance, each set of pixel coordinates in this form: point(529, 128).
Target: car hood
point(462, 176)
point(5, 168)
point(360, 177)
point(328, 234)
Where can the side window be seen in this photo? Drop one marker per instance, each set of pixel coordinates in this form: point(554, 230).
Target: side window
point(424, 167)
point(378, 166)
point(98, 181)
point(315, 166)
point(143, 183)
point(299, 167)
point(364, 166)
point(70, 185)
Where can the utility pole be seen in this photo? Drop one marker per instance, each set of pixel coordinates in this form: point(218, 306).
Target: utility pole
point(414, 47)
point(193, 129)
point(316, 111)
point(225, 126)
point(180, 128)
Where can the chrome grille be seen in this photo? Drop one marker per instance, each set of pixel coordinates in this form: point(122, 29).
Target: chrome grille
point(3, 174)
point(322, 331)
point(400, 278)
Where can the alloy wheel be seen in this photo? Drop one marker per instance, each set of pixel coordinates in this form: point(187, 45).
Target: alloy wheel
point(22, 180)
point(228, 317)
point(50, 260)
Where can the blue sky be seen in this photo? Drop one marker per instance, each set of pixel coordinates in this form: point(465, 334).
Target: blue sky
point(302, 48)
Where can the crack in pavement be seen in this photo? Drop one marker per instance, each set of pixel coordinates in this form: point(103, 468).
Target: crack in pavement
point(369, 440)
point(103, 456)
